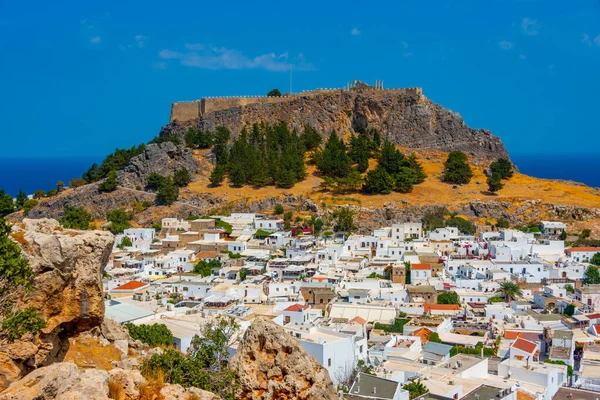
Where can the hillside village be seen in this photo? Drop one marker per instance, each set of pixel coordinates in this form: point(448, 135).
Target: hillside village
point(500, 314)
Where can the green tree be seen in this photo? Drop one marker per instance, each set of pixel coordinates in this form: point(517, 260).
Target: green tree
point(154, 181)
point(311, 138)
point(191, 138)
point(39, 194)
point(407, 267)
point(494, 183)
point(205, 366)
point(448, 298)
point(15, 283)
point(415, 389)
point(278, 209)
point(167, 193)
point(109, 184)
point(217, 175)
point(378, 181)
point(77, 182)
point(563, 235)
point(75, 218)
point(592, 276)
point(502, 167)
point(569, 310)
point(60, 185)
point(344, 218)
point(182, 177)
point(274, 93)
point(414, 164)
point(435, 218)
point(509, 290)
point(29, 204)
point(502, 223)
point(219, 150)
point(463, 225)
point(206, 268)
point(152, 335)
point(585, 233)
point(113, 162)
point(7, 204)
point(20, 200)
point(352, 182)
point(595, 259)
point(333, 160)
point(405, 179)
point(456, 168)
point(125, 242)
point(569, 289)
point(360, 152)
point(119, 220)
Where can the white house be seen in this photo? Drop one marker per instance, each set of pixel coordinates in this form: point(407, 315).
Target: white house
point(582, 254)
point(407, 230)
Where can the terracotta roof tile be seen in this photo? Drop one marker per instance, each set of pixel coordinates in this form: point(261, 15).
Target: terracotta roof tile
point(441, 307)
point(420, 266)
point(524, 345)
point(584, 249)
point(359, 320)
point(132, 285)
point(296, 308)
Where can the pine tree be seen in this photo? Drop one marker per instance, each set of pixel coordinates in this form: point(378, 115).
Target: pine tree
point(21, 199)
point(456, 168)
point(333, 160)
point(217, 175)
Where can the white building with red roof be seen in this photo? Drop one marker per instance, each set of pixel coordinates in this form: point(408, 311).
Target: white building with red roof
point(296, 313)
point(523, 349)
point(582, 254)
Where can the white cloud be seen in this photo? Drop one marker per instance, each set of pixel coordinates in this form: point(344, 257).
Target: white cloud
point(506, 45)
point(530, 26)
point(405, 45)
point(95, 40)
point(522, 56)
point(140, 40)
point(408, 54)
point(355, 32)
point(585, 38)
point(597, 40)
point(215, 58)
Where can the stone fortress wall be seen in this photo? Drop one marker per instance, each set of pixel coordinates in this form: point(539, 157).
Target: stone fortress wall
point(188, 110)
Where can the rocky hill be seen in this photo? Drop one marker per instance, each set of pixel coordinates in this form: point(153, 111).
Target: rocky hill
point(405, 117)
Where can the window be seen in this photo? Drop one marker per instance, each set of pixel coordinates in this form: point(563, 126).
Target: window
point(329, 362)
point(360, 349)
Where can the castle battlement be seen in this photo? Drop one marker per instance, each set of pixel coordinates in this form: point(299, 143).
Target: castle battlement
point(188, 110)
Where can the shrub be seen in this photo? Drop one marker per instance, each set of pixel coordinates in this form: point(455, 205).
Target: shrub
point(109, 184)
point(76, 218)
point(119, 220)
point(153, 335)
point(278, 209)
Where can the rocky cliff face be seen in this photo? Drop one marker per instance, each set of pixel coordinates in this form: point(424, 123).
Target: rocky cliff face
point(164, 159)
point(67, 291)
point(273, 365)
point(406, 119)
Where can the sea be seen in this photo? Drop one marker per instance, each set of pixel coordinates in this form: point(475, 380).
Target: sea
point(31, 174)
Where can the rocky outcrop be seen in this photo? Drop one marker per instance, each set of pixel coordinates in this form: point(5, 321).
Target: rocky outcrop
point(273, 365)
point(405, 118)
point(164, 159)
point(65, 381)
point(66, 291)
point(88, 198)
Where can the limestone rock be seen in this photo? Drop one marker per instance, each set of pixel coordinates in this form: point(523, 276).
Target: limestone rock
point(163, 158)
point(43, 383)
point(112, 330)
point(66, 292)
point(130, 382)
point(273, 365)
point(178, 392)
point(68, 267)
point(407, 118)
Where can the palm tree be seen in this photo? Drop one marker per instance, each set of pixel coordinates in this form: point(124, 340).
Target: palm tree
point(415, 388)
point(509, 290)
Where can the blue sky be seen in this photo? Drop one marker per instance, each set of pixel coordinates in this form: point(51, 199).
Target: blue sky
point(82, 78)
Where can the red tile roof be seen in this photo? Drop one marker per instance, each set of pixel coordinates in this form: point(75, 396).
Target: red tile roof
point(420, 266)
point(296, 308)
point(524, 345)
point(358, 320)
point(584, 249)
point(132, 285)
point(423, 333)
point(441, 307)
point(593, 316)
point(597, 329)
